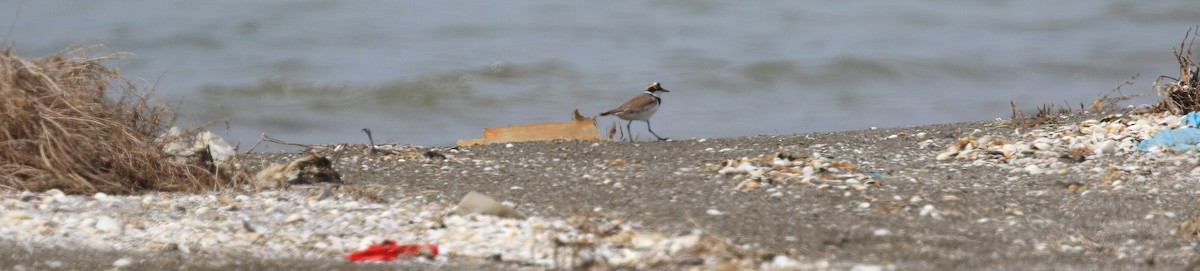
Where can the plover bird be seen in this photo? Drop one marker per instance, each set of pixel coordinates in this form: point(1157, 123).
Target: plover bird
point(640, 108)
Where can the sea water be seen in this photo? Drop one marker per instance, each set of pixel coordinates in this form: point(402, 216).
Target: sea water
point(432, 72)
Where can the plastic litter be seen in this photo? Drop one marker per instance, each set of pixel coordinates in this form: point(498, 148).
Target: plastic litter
point(1178, 139)
point(388, 250)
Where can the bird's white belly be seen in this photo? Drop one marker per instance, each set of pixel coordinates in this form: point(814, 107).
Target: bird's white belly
point(640, 115)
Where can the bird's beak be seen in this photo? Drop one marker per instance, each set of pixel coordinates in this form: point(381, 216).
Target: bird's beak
point(665, 90)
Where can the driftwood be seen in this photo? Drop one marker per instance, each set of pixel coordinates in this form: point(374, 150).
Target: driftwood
point(579, 128)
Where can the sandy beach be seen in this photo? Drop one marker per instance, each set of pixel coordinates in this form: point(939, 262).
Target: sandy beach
point(898, 207)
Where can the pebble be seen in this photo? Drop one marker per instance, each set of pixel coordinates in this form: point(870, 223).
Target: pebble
point(928, 210)
point(55, 193)
point(781, 262)
point(27, 196)
point(1106, 147)
point(713, 212)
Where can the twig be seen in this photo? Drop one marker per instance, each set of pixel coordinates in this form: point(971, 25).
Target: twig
point(1013, 105)
point(13, 25)
point(260, 140)
point(370, 140)
point(277, 141)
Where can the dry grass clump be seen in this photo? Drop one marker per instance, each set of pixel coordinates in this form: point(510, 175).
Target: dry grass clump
point(73, 124)
point(1183, 95)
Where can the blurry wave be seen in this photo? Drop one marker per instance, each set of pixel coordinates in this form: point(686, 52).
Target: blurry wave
point(773, 72)
point(425, 91)
point(1152, 11)
point(502, 70)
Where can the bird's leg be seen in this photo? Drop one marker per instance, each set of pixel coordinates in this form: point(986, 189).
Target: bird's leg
point(629, 130)
point(652, 131)
point(622, 131)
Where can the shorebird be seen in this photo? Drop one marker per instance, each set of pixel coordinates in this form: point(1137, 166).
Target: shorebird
point(640, 108)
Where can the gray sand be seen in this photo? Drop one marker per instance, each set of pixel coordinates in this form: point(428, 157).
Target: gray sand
point(987, 219)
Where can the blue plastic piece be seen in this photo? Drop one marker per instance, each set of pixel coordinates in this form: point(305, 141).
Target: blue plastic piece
point(1179, 139)
point(1191, 119)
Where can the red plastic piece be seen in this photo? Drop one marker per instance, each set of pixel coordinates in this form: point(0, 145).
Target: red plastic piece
point(388, 250)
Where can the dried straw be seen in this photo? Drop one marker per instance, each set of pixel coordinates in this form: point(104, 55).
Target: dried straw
point(73, 124)
point(1183, 95)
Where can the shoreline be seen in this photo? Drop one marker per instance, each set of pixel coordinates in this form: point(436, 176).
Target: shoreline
point(881, 198)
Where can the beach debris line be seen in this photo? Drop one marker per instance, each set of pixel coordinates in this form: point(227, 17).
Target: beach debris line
point(389, 250)
point(1051, 149)
point(579, 128)
point(211, 151)
point(392, 153)
point(786, 169)
point(308, 169)
point(284, 224)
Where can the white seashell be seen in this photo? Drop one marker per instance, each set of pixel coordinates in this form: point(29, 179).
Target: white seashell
point(983, 141)
point(1114, 128)
point(746, 167)
point(294, 218)
point(946, 155)
point(1170, 121)
point(807, 171)
point(1008, 150)
point(1034, 170)
point(965, 154)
